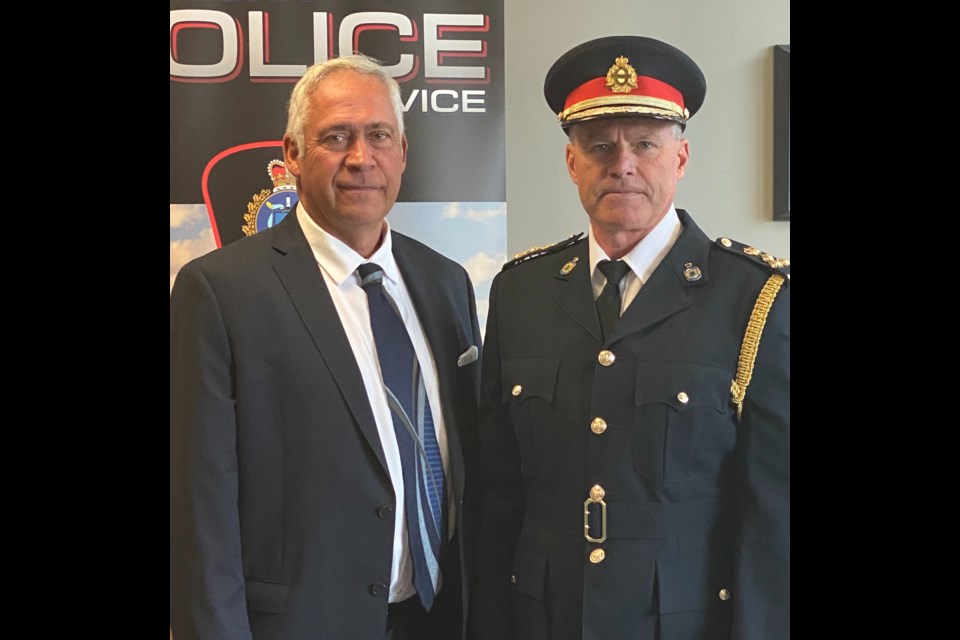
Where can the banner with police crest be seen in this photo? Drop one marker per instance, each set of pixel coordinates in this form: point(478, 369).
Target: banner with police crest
point(233, 64)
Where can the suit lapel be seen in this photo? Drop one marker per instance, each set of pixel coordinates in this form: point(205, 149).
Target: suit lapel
point(575, 296)
point(664, 294)
point(297, 269)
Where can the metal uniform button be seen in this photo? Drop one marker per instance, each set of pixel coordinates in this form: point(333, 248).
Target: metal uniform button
point(517, 388)
point(597, 556)
point(606, 358)
point(378, 589)
point(726, 242)
point(513, 579)
point(598, 426)
point(597, 492)
point(724, 594)
point(683, 397)
point(384, 512)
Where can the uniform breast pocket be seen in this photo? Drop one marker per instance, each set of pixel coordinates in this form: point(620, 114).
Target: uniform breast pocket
point(682, 422)
point(529, 384)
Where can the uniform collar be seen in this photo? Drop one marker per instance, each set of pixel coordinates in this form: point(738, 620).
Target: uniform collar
point(648, 253)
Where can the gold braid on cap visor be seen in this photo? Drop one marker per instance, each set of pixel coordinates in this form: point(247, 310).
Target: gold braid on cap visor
point(621, 104)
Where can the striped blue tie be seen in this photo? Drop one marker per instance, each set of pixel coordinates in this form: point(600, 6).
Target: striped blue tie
point(423, 483)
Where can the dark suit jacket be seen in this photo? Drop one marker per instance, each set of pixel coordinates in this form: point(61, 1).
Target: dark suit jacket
point(697, 502)
point(282, 510)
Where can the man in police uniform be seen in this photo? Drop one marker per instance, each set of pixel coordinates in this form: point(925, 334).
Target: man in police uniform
point(635, 457)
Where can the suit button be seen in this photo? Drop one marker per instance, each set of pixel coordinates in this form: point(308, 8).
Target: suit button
point(724, 594)
point(683, 397)
point(597, 556)
point(513, 579)
point(606, 358)
point(516, 389)
point(384, 512)
point(598, 426)
point(378, 589)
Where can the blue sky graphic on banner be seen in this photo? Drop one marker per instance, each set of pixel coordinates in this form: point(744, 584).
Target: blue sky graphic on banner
point(233, 64)
point(472, 233)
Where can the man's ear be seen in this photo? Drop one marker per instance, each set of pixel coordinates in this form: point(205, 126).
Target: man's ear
point(683, 155)
point(291, 155)
point(572, 162)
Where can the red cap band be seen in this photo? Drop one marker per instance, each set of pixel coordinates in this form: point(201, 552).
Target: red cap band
point(646, 87)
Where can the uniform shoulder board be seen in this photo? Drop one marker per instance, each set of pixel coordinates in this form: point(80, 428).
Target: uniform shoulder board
point(536, 252)
point(780, 265)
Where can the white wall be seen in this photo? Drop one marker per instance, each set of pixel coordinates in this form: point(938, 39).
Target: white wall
point(728, 187)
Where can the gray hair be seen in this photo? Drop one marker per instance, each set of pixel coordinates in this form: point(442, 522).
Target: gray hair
point(299, 105)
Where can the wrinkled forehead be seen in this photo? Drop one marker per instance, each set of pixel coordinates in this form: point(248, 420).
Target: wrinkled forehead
point(631, 127)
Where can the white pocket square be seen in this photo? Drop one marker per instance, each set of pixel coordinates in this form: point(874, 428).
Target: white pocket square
point(468, 356)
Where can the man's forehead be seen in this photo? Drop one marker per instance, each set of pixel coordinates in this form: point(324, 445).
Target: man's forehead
point(611, 126)
point(358, 125)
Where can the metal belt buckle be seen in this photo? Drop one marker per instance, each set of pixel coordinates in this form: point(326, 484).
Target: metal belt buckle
point(586, 519)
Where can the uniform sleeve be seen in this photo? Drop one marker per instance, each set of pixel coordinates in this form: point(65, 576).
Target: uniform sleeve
point(761, 595)
point(501, 503)
point(207, 598)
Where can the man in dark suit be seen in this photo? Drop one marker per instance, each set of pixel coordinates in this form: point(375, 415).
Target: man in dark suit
point(287, 480)
point(635, 394)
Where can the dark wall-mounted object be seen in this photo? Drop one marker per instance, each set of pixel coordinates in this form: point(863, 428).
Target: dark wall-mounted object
point(781, 132)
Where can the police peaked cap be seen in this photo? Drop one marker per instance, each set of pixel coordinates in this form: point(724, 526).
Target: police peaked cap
point(624, 76)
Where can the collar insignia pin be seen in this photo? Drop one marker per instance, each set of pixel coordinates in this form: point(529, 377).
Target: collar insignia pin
point(567, 268)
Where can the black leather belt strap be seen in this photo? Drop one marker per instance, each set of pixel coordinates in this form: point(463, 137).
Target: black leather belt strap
point(624, 519)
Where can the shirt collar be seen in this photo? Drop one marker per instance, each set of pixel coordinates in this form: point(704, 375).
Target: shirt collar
point(337, 258)
point(648, 253)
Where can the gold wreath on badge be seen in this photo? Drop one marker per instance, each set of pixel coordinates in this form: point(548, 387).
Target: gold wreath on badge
point(270, 206)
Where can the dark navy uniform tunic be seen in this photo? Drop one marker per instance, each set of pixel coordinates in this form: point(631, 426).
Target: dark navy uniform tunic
point(640, 426)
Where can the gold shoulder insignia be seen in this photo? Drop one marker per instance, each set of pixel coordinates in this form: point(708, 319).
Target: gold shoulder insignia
point(779, 265)
point(535, 252)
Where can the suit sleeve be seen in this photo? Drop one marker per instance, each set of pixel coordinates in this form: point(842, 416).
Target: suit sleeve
point(761, 594)
point(207, 598)
point(501, 504)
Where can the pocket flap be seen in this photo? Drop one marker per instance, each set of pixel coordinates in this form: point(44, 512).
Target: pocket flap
point(266, 596)
point(530, 571)
point(683, 385)
point(523, 377)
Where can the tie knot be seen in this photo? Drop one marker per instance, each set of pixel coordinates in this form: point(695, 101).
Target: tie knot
point(370, 273)
point(613, 270)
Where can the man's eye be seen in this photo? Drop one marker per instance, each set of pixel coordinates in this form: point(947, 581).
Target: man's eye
point(601, 148)
point(645, 144)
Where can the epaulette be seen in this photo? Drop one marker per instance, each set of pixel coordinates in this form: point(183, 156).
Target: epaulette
point(779, 265)
point(536, 252)
point(779, 269)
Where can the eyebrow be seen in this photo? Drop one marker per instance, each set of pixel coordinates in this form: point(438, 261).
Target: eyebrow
point(345, 126)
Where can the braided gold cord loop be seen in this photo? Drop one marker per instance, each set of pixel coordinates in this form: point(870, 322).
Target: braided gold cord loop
point(751, 340)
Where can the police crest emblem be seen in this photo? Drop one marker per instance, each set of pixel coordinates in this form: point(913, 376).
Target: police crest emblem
point(270, 206)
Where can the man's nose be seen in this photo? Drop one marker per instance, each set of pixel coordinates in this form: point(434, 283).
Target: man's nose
point(624, 162)
point(358, 153)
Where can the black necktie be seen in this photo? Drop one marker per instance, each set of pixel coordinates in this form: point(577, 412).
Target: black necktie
point(423, 481)
point(608, 303)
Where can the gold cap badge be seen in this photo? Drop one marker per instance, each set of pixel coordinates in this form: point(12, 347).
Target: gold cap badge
point(621, 77)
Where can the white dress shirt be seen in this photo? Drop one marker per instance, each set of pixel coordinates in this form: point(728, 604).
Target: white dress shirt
point(338, 264)
point(642, 259)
